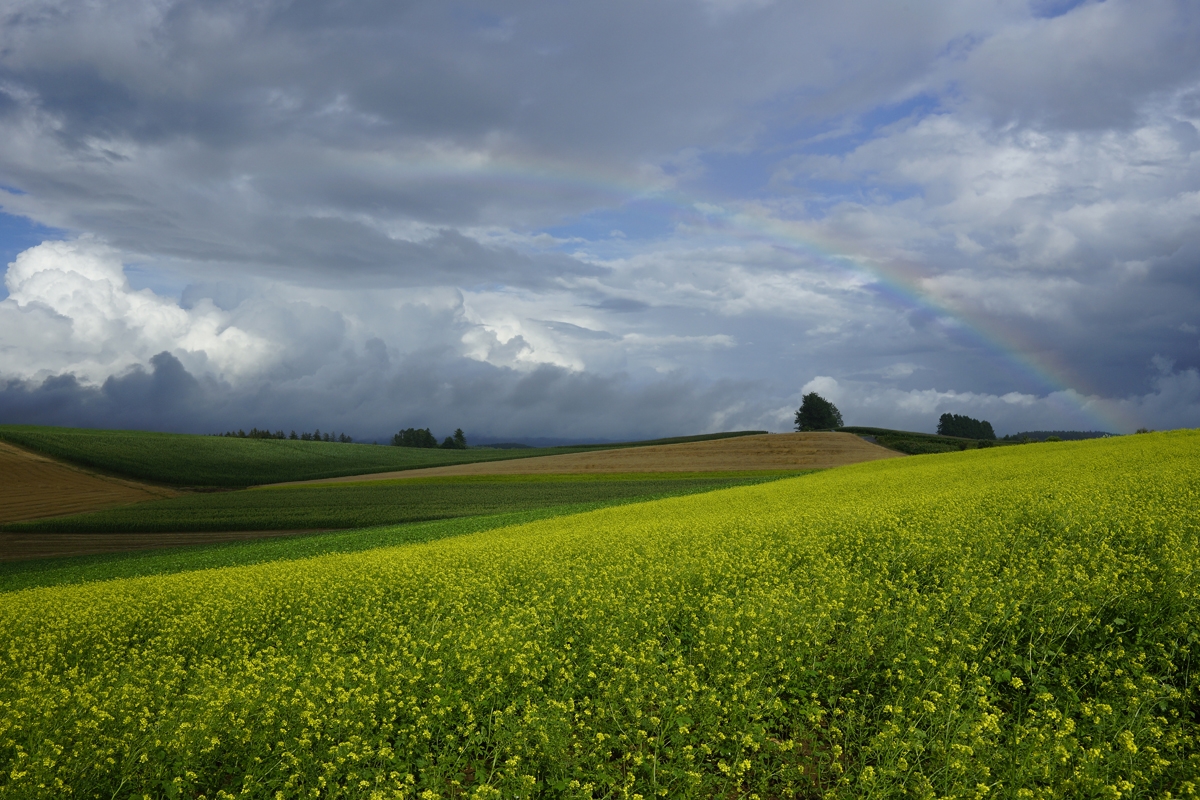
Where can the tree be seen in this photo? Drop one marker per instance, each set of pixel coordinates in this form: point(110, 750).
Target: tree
point(964, 427)
point(817, 414)
point(456, 442)
point(415, 437)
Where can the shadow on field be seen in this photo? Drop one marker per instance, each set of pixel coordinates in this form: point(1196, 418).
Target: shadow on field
point(26, 546)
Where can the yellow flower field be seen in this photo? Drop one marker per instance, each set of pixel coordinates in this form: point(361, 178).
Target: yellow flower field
point(1009, 622)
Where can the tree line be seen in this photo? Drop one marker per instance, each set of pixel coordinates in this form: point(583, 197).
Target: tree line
point(315, 436)
point(965, 427)
point(818, 414)
point(423, 437)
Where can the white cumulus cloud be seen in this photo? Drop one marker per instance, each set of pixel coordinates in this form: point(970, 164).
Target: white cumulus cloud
point(70, 308)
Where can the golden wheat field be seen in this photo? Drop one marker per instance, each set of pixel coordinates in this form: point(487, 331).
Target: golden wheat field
point(1011, 622)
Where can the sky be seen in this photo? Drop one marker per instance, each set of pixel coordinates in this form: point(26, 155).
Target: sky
point(590, 221)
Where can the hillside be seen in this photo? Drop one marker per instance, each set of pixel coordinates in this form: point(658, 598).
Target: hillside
point(361, 504)
point(216, 461)
point(915, 444)
point(1066, 436)
point(1017, 621)
point(777, 451)
point(32, 486)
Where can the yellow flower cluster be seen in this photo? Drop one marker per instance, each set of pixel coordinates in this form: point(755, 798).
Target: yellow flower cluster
point(1016, 622)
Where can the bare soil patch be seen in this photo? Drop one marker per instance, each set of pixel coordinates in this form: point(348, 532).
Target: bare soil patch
point(25, 546)
point(34, 486)
point(782, 451)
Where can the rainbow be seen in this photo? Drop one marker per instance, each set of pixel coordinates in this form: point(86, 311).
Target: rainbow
point(901, 284)
point(905, 287)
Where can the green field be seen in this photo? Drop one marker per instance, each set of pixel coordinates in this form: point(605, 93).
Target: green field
point(18, 575)
point(1011, 622)
point(187, 460)
point(917, 444)
point(360, 505)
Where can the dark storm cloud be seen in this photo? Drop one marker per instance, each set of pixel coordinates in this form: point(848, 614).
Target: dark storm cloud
point(164, 397)
point(372, 398)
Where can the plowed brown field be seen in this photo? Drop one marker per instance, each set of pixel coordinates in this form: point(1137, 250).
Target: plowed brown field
point(771, 451)
point(33, 486)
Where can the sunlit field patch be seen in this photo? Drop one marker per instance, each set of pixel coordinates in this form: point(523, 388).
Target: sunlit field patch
point(1016, 622)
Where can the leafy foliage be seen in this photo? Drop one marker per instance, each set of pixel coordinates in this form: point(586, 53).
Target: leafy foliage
point(456, 442)
point(964, 427)
point(817, 414)
point(415, 437)
point(1015, 622)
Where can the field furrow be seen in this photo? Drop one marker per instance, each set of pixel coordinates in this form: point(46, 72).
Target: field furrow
point(33, 486)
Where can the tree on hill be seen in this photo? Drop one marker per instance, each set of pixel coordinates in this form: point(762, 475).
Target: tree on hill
point(964, 427)
point(817, 414)
point(456, 442)
point(415, 437)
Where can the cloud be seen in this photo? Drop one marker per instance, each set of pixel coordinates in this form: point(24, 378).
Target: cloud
point(320, 357)
point(1091, 68)
point(70, 309)
point(370, 397)
point(1082, 245)
point(307, 199)
point(1173, 402)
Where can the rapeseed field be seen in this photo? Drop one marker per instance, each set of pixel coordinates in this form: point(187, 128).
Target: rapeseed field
point(1012, 622)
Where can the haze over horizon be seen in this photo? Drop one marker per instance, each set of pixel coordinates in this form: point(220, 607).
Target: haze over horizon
point(599, 221)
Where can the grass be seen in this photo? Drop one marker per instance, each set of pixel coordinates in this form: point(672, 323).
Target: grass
point(914, 444)
point(1014, 622)
point(217, 461)
point(365, 504)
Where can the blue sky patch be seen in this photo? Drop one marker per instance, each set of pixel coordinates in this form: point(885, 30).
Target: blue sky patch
point(18, 234)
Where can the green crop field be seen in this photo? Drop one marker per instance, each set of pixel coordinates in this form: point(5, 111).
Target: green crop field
point(1009, 622)
point(916, 444)
point(19, 575)
point(359, 505)
point(188, 460)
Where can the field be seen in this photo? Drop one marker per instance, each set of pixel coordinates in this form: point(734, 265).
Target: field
point(162, 554)
point(196, 461)
point(365, 504)
point(786, 451)
point(33, 486)
point(915, 444)
point(1012, 622)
